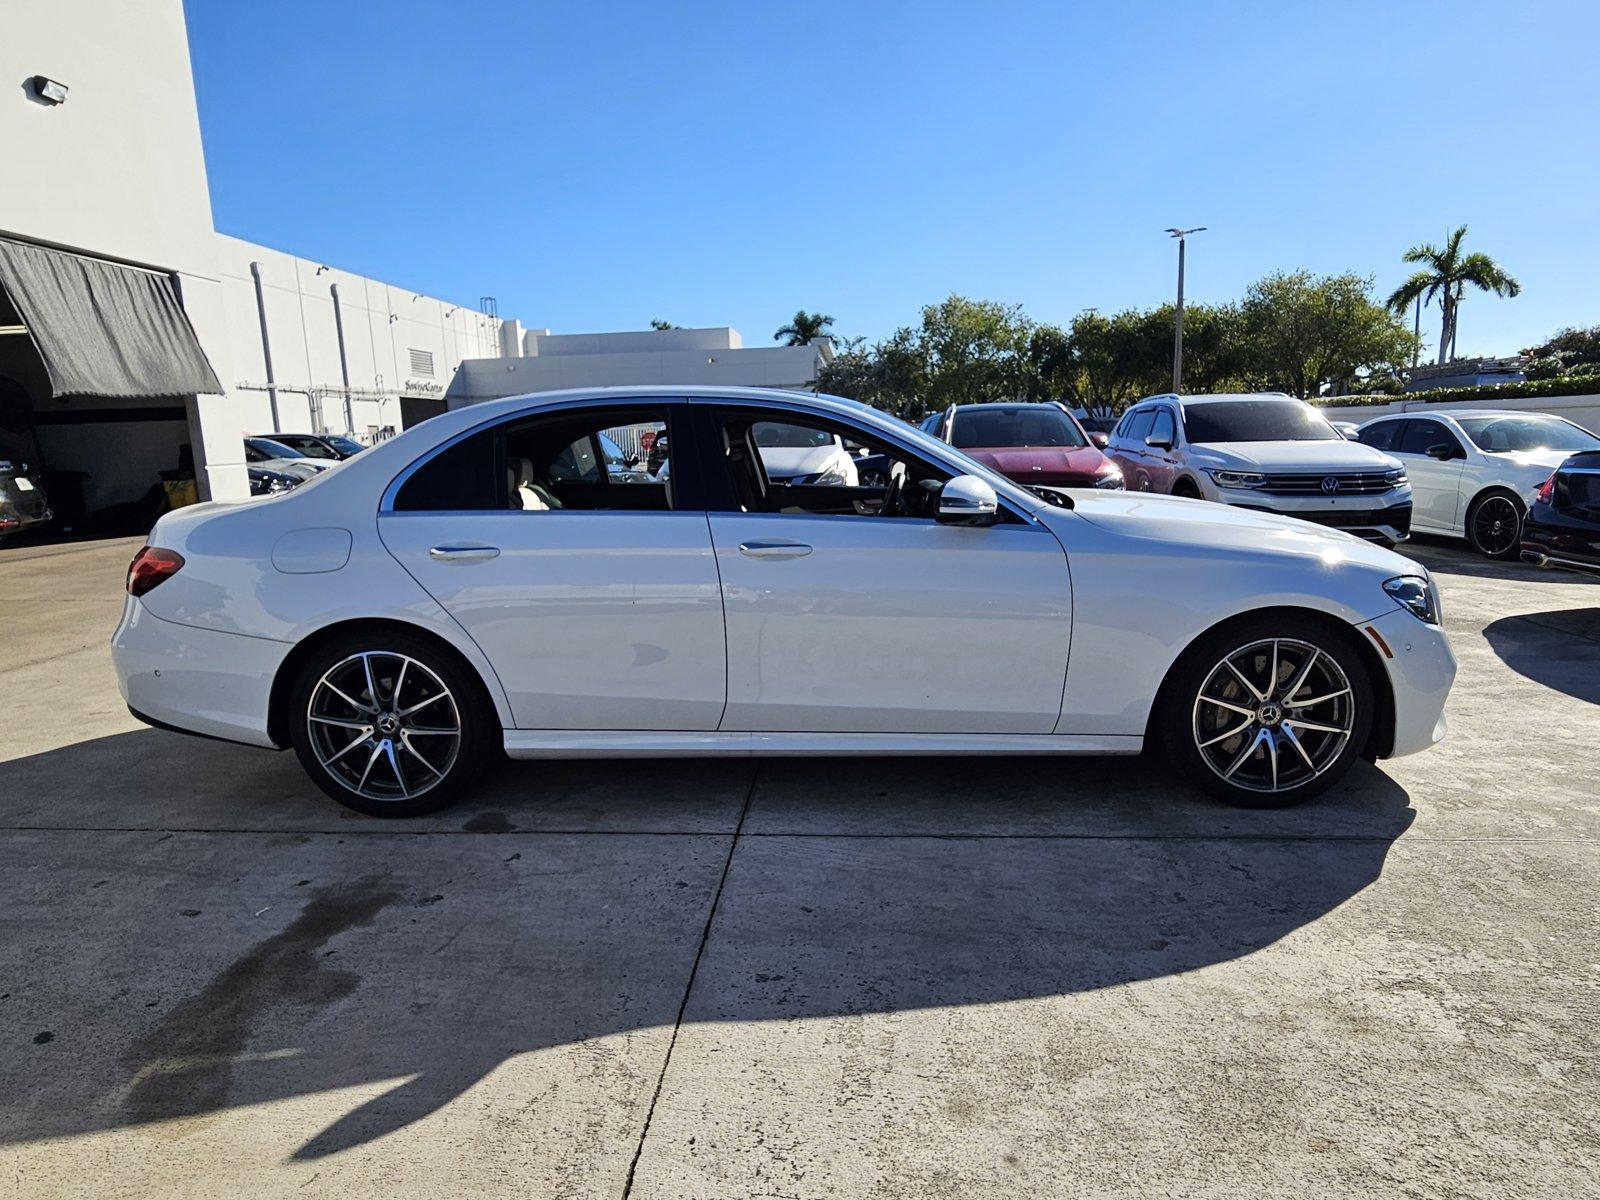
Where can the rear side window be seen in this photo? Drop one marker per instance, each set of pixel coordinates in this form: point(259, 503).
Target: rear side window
point(461, 477)
point(1380, 436)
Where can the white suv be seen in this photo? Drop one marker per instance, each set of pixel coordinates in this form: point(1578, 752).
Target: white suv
point(1268, 452)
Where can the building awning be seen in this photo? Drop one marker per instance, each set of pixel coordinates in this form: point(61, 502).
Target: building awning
point(103, 329)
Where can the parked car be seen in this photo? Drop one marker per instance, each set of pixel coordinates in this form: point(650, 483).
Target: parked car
point(321, 445)
point(275, 456)
point(1037, 445)
point(264, 482)
point(1474, 471)
point(23, 503)
point(405, 620)
point(1346, 429)
point(1268, 452)
point(813, 457)
point(1562, 526)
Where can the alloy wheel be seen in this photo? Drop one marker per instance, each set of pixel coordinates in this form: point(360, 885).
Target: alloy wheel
point(384, 725)
point(1273, 715)
point(1496, 525)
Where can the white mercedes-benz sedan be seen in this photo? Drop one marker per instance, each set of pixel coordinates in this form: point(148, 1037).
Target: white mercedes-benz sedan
point(480, 584)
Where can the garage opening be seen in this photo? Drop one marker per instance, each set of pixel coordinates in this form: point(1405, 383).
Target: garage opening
point(98, 366)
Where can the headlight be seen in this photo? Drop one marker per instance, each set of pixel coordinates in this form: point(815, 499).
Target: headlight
point(1417, 595)
point(1112, 480)
point(1395, 478)
point(1237, 479)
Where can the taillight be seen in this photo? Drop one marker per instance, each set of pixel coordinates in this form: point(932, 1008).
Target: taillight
point(1547, 489)
point(149, 567)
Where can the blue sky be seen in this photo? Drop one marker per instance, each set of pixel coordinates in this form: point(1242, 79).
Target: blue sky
point(596, 165)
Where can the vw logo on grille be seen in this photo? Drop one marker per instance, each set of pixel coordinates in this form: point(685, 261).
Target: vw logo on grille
point(1330, 484)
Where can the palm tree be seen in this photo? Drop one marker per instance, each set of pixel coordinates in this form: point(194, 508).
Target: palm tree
point(1446, 273)
point(802, 328)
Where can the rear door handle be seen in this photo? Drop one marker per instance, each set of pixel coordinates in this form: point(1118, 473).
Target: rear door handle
point(463, 553)
point(774, 549)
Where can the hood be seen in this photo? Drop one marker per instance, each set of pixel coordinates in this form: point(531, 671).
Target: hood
point(303, 468)
point(1330, 455)
point(1547, 460)
point(787, 462)
point(1042, 464)
point(1177, 521)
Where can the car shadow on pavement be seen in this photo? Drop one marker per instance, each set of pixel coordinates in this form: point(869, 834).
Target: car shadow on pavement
point(1560, 648)
point(230, 941)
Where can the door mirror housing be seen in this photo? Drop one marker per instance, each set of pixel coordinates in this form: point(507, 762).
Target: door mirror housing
point(1159, 442)
point(968, 500)
point(1444, 451)
point(1099, 440)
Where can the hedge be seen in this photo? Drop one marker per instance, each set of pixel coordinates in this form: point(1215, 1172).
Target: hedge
point(1568, 385)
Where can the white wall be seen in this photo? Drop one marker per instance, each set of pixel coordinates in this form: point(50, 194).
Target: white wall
point(305, 345)
point(791, 367)
point(1581, 410)
point(544, 344)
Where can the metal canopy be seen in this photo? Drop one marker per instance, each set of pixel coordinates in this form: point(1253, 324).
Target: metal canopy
point(104, 329)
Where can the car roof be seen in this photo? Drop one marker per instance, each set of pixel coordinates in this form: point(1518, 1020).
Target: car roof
point(1457, 413)
point(1008, 405)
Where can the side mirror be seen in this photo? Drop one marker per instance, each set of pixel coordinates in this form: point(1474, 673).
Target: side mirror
point(1444, 451)
point(968, 500)
point(1158, 443)
point(1099, 440)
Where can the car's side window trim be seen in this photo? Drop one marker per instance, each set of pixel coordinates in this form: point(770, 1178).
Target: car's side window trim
point(669, 404)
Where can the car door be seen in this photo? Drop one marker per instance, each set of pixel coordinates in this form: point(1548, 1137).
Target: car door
point(1129, 451)
point(1435, 483)
point(595, 596)
point(1160, 462)
point(846, 615)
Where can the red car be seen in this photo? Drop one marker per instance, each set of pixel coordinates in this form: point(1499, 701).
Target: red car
point(1033, 444)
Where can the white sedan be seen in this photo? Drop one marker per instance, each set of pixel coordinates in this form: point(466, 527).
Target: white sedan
point(1474, 470)
point(478, 583)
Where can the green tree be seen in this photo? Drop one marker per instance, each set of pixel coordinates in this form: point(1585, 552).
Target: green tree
point(1446, 273)
point(1300, 333)
point(658, 324)
point(1566, 352)
point(802, 327)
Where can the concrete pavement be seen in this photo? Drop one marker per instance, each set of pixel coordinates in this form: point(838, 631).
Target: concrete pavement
point(807, 978)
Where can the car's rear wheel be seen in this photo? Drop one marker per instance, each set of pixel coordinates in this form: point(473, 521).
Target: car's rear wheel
point(1494, 524)
point(389, 725)
point(1267, 712)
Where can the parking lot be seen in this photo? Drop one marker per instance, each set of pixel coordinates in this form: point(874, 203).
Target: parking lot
point(801, 978)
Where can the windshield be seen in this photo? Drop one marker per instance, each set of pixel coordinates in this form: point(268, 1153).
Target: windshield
point(1509, 435)
point(271, 449)
point(996, 426)
point(347, 445)
point(312, 448)
point(1256, 421)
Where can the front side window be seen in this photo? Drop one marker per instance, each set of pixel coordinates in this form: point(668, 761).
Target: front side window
point(1421, 436)
point(1265, 420)
point(803, 466)
point(1515, 435)
point(995, 426)
point(1163, 427)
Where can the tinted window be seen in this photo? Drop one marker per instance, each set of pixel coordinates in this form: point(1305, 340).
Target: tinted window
point(1380, 436)
point(311, 448)
point(1509, 435)
point(1264, 420)
point(995, 425)
point(265, 448)
point(1138, 424)
point(460, 477)
point(1163, 426)
point(1419, 435)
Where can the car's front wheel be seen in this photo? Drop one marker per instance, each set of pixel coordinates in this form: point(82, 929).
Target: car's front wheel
point(1494, 524)
point(1267, 712)
point(389, 725)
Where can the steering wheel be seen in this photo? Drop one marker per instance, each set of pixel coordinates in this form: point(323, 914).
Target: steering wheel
point(894, 497)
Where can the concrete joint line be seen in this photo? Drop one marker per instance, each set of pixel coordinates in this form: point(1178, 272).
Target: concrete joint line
point(688, 989)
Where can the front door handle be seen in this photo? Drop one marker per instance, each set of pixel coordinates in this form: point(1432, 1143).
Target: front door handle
point(463, 553)
point(774, 549)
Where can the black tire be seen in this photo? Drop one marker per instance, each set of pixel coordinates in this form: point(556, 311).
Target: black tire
point(415, 767)
point(1186, 489)
point(1184, 719)
point(1494, 524)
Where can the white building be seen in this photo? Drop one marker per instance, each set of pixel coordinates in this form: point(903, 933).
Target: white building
point(552, 361)
point(204, 338)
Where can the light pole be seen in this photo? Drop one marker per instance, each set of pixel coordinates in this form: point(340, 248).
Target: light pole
point(1177, 329)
